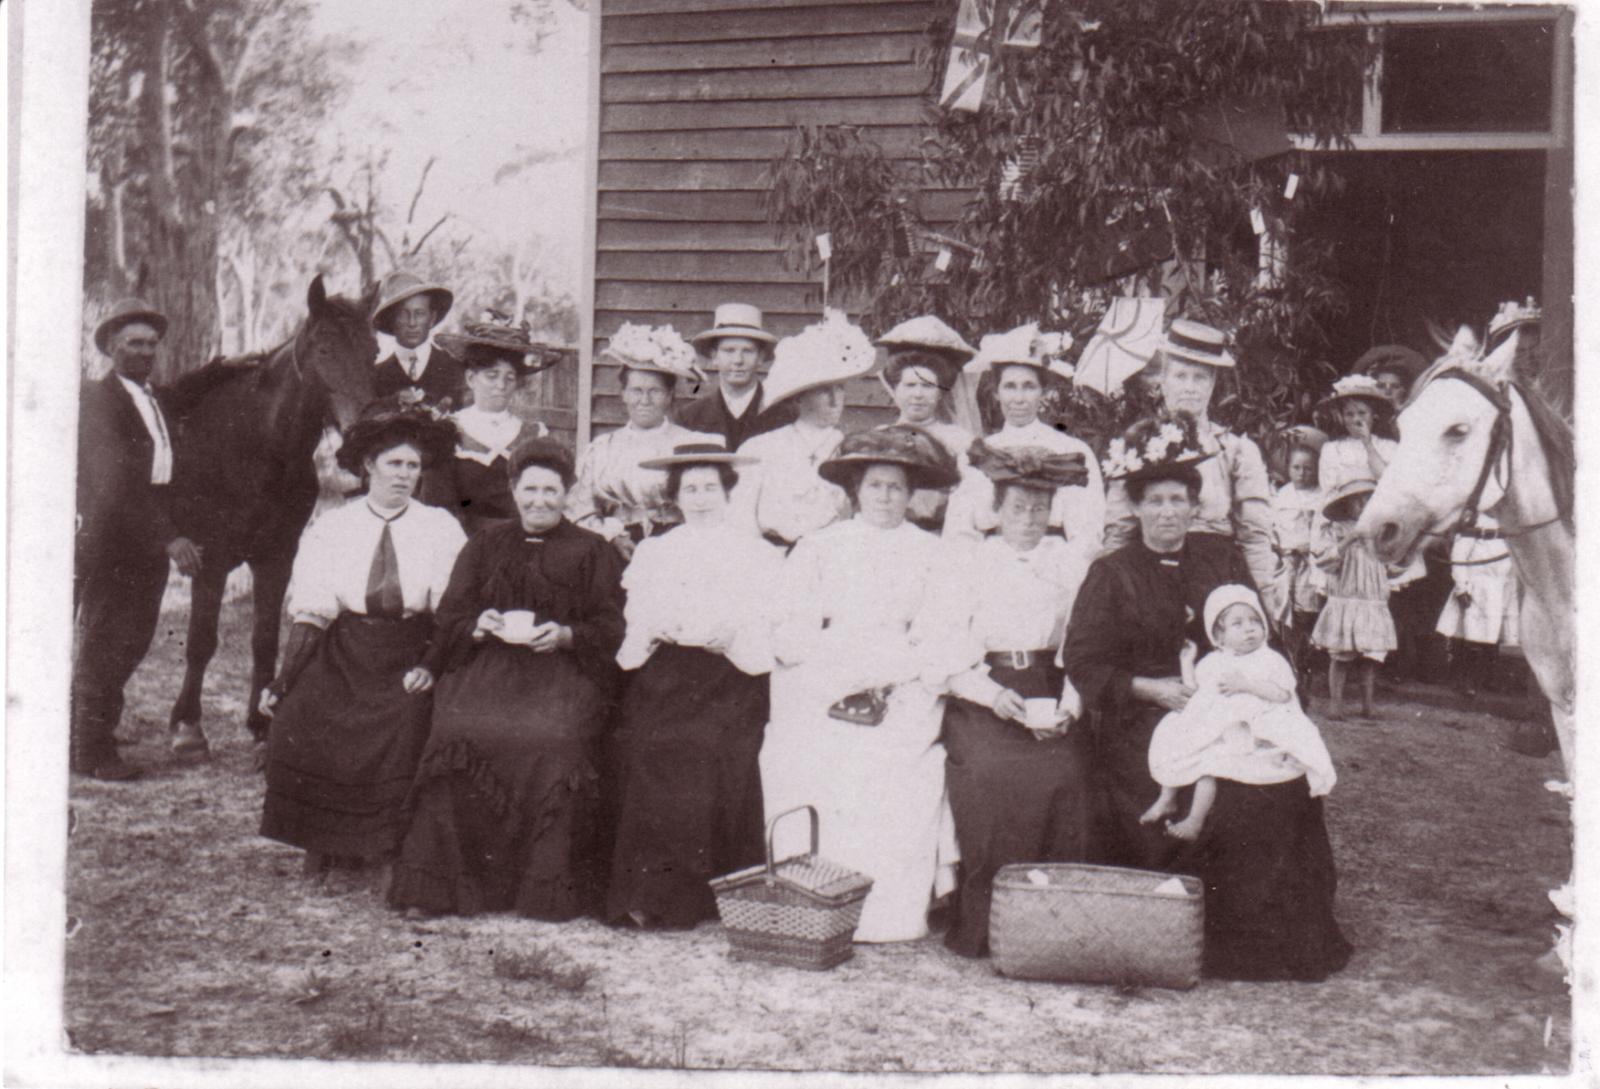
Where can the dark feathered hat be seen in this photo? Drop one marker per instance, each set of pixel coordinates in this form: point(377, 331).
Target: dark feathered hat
point(383, 425)
point(927, 463)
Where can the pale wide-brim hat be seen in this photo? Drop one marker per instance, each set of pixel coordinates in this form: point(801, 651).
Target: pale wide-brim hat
point(733, 320)
point(397, 287)
point(698, 453)
point(1338, 503)
point(1024, 346)
point(1223, 598)
point(930, 338)
point(660, 349)
point(1196, 342)
point(832, 350)
point(125, 313)
point(1358, 387)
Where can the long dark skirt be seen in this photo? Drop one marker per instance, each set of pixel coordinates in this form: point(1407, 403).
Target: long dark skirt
point(690, 784)
point(1014, 798)
point(344, 744)
point(1267, 867)
point(1122, 759)
point(503, 808)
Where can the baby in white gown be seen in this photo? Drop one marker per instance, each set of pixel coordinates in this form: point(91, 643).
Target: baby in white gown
point(1242, 723)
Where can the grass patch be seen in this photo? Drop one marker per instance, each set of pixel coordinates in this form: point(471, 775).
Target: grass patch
point(542, 964)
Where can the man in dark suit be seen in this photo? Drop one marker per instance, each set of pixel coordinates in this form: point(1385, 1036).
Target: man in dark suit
point(125, 535)
point(418, 369)
point(736, 345)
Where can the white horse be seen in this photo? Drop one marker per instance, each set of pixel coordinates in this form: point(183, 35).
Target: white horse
point(1473, 439)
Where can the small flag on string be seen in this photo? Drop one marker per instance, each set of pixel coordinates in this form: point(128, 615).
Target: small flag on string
point(825, 246)
point(942, 261)
point(1291, 186)
point(1258, 222)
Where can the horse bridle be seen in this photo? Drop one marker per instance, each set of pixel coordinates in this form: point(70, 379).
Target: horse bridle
point(1500, 446)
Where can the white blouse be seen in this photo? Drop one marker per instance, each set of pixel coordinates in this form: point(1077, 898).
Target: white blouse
point(612, 492)
point(334, 562)
point(1001, 599)
point(688, 585)
point(783, 493)
point(1080, 511)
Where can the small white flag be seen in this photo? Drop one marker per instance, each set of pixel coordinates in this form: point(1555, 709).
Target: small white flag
point(825, 246)
point(942, 262)
point(1258, 222)
point(1291, 186)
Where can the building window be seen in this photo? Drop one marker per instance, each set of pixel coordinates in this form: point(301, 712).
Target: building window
point(1483, 78)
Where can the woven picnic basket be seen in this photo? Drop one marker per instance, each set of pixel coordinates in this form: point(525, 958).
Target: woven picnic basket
point(1097, 924)
point(801, 912)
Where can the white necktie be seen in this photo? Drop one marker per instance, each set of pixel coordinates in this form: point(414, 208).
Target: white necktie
point(411, 365)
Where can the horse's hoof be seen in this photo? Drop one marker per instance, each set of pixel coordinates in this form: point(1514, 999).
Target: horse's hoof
point(188, 739)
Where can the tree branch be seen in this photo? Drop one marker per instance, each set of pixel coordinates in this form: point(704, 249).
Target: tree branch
point(417, 248)
point(193, 25)
point(422, 181)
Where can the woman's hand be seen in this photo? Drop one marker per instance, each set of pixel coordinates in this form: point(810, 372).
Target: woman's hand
point(549, 637)
point(489, 622)
point(268, 703)
point(418, 679)
point(1168, 692)
point(1008, 704)
point(185, 555)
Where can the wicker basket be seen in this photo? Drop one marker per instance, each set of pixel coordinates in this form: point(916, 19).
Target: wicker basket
point(1096, 924)
point(801, 912)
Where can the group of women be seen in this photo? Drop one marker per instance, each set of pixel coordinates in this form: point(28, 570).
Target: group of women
point(591, 706)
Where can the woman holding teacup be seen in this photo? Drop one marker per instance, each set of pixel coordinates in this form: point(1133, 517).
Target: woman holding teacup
point(506, 800)
point(1016, 770)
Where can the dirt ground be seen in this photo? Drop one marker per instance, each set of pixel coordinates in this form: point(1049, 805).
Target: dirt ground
point(196, 937)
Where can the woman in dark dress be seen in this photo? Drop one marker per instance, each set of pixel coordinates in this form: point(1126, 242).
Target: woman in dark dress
point(1263, 854)
point(497, 359)
point(350, 707)
point(689, 737)
point(505, 802)
point(1020, 789)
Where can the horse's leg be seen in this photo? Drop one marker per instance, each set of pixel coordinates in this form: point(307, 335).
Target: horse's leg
point(271, 581)
point(1547, 644)
point(205, 609)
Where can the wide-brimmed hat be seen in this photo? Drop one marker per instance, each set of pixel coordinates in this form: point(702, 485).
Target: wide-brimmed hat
point(543, 450)
point(832, 350)
point(1337, 503)
point(697, 453)
point(927, 463)
point(126, 313)
point(1358, 387)
point(1196, 342)
point(485, 343)
point(1391, 359)
point(658, 349)
point(1154, 449)
point(1223, 598)
point(733, 320)
point(1032, 466)
point(397, 287)
point(383, 425)
point(1024, 346)
point(1305, 435)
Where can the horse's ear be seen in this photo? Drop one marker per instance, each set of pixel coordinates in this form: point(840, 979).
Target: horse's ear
point(1497, 365)
point(317, 295)
point(1464, 346)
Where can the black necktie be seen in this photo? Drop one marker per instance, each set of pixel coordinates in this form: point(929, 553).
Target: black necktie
point(383, 581)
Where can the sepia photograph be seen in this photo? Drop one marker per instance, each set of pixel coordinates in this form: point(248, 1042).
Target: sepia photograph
point(593, 541)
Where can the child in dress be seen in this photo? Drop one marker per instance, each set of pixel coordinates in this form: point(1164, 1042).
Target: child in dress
point(1355, 625)
point(1242, 723)
point(1294, 510)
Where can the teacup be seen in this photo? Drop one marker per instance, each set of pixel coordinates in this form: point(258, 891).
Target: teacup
point(517, 625)
point(1041, 714)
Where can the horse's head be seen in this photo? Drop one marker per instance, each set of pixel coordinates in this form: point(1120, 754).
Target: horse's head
point(337, 348)
point(1445, 434)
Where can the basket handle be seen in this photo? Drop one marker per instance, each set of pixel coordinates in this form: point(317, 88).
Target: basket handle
point(772, 826)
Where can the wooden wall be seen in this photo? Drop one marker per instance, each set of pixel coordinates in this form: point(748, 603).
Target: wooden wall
point(696, 98)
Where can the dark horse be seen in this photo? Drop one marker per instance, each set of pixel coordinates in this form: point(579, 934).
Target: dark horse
point(245, 482)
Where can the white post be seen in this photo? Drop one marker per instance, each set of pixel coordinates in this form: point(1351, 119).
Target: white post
point(591, 240)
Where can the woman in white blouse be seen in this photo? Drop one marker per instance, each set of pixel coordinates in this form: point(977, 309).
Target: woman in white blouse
point(1021, 361)
point(698, 646)
point(350, 707)
point(855, 695)
point(925, 358)
point(614, 495)
point(1016, 766)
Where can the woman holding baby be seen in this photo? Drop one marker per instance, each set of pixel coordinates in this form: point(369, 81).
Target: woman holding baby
point(1262, 847)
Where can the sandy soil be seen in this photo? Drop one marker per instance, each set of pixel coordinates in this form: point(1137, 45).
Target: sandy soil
point(195, 937)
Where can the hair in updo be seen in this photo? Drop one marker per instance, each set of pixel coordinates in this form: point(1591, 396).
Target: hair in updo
point(1187, 475)
point(545, 453)
point(725, 473)
point(1001, 489)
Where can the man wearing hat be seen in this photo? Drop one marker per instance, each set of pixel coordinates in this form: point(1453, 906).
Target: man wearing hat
point(125, 535)
point(418, 369)
point(736, 345)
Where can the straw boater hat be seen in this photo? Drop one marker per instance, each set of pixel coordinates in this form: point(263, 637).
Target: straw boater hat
point(1195, 342)
point(927, 463)
point(1024, 346)
point(126, 313)
point(396, 288)
point(383, 426)
point(1357, 387)
point(1391, 359)
point(733, 320)
point(931, 338)
point(832, 350)
point(698, 453)
point(659, 350)
point(485, 343)
point(1153, 449)
point(1031, 466)
point(1337, 506)
point(1223, 598)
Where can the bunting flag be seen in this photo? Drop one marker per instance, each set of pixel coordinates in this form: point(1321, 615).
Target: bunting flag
point(973, 51)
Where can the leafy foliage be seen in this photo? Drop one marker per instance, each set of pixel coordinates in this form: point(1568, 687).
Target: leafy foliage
point(1099, 136)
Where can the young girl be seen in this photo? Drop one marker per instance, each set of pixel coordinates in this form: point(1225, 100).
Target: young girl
point(1242, 723)
point(1355, 625)
point(1294, 509)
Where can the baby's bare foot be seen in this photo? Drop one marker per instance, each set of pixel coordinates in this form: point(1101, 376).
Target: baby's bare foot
point(1158, 811)
point(1187, 829)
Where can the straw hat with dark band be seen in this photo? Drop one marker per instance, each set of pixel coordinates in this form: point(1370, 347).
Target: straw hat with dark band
point(927, 463)
point(1358, 387)
point(397, 287)
point(697, 453)
point(1340, 505)
point(1196, 342)
point(125, 313)
point(733, 320)
point(383, 427)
